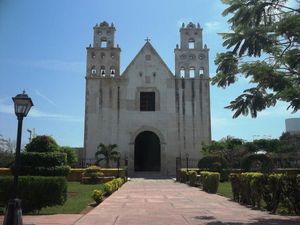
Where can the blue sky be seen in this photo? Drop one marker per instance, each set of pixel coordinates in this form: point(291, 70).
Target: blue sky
point(42, 50)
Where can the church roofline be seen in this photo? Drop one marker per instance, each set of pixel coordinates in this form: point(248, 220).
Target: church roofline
point(155, 52)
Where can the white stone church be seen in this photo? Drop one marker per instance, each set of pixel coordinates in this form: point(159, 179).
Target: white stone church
point(152, 114)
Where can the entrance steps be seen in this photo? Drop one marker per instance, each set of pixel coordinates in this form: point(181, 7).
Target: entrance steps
point(149, 175)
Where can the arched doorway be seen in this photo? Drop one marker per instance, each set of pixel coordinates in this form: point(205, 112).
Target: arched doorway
point(147, 152)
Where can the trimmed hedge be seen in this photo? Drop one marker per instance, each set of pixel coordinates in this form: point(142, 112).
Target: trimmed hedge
point(40, 159)
point(210, 181)
point(45, 171)
point(192, 178)
point(111, 186)
point(35, 192)
point(273, 189)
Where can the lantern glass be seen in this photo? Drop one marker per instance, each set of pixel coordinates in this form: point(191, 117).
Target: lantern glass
point(22, 104)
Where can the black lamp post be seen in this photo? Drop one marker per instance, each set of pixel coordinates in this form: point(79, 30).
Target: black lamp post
point(187, 161)
point(13, 215)
point(118, 157)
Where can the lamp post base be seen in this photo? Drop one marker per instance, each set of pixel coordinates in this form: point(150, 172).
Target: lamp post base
point(13, 214)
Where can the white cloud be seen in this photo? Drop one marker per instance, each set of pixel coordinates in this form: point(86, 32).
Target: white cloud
point(9, 109)
point(38, 93)
point(213, 26)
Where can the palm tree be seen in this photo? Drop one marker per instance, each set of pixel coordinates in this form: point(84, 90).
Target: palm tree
point(108, 153)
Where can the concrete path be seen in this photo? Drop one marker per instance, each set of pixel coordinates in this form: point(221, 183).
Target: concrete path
point(164, 202)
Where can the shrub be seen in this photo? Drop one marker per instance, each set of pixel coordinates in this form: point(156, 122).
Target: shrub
point(92, 175)
point(257, 162)
point(112, 186)
point(97, 196)
point(35, 192)
point(235, 185)
point(274, 189)
point(42, 143)
point(184, 176)
point(92, 169)
point(210, 181)
point(212, 163)
point(193, 178)
point(6, 158)
point(71, 154)
point(45, 171)
point(41, 159)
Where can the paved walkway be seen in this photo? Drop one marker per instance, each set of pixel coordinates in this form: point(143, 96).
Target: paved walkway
point(164, 202)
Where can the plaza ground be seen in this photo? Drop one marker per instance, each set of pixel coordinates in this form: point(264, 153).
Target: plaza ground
point(164, 202)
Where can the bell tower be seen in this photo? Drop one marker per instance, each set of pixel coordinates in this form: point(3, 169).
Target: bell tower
point(103, 58)
point(191, 58)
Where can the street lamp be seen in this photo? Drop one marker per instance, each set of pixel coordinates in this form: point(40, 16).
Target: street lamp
point(13, 215)
point(118, 157)
point(187, 161)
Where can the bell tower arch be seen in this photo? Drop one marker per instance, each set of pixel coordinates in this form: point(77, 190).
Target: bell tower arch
point(103, 58)
point(191, 58)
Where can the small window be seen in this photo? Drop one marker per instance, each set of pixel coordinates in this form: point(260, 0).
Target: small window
point(192, 72)
point(191, 44)
point(112, 55)
point(181, 72)
point(102, 71)
point(102, 55)
point(201, 71)
point(148, 57)
point(112, 71)
point(93, 70)
point(147, 101)
point(103, 44)
point(93, 55)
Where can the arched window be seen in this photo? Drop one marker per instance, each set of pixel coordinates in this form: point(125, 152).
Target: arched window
point(191, 43)
point(93, 70)
point(103, 44)
point(102, 55)
point(181, 72)
point(112, 71)
point(201, 71)
point(192, 72)
point(102, 71)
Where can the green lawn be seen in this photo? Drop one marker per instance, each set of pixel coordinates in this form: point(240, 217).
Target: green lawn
point(79, 197)
point(225, 189)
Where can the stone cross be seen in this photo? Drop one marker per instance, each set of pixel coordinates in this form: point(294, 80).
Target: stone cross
point(147, 39)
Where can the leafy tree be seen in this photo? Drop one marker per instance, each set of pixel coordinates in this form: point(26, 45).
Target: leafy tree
point(42, 143)
point(71, 154)
point(229, 148)
point(263, 46)
point(107, 152)
point(7, 147)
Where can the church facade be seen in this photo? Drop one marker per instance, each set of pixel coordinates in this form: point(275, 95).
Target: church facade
point(152, 114)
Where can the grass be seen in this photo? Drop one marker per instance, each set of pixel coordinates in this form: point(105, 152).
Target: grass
point(79, 197)
point(224, 189)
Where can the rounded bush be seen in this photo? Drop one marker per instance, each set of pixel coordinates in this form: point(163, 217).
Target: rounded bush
point(257, 162)
point(42, 143)
point(97, 196)
point(212, 163)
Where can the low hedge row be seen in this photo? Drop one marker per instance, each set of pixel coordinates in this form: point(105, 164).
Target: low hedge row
point(35, 192)
point(109, 188)
point(274, 189)
point(74, 173)
point(210, 181)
